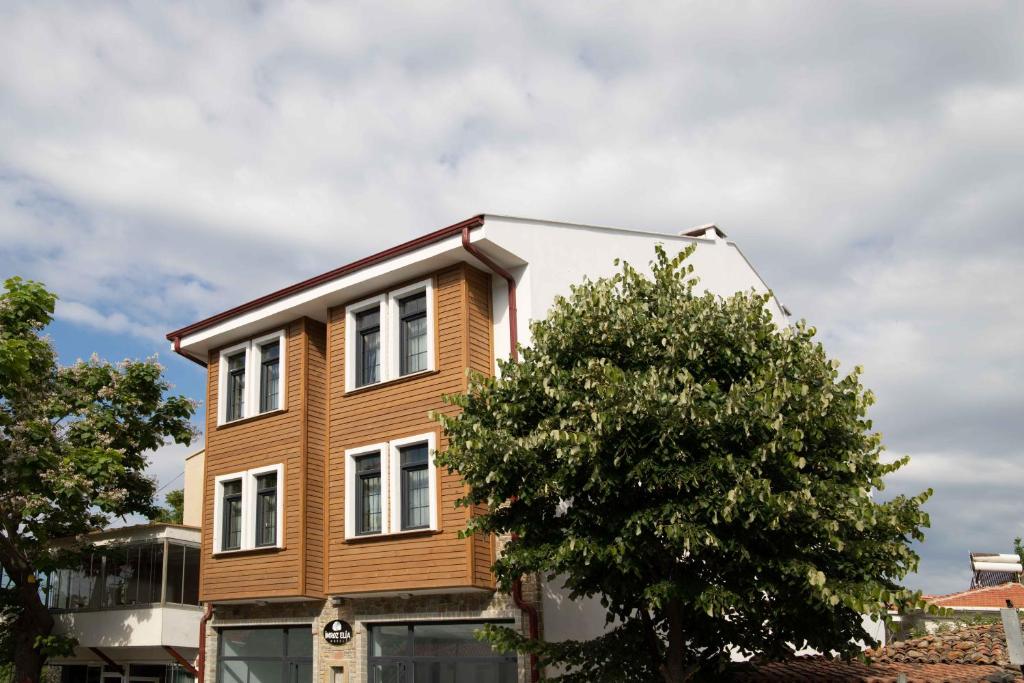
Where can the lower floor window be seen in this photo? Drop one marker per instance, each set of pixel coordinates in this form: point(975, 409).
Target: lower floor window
point(436, 653)
point(265, 655)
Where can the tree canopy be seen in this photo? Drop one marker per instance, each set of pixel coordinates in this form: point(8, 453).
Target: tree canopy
point(73, 443)
point(705, 472)
point(174, 513)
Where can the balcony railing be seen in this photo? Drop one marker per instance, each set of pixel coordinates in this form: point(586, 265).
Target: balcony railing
point(152, 573)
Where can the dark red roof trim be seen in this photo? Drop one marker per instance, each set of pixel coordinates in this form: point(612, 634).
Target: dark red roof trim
point(436, 236)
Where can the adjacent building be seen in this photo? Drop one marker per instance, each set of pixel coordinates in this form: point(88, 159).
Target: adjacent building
point(133, 602)
point(330, 547)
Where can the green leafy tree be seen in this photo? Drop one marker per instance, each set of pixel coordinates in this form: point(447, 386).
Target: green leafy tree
point(174, 513)
point(703, 472)
point(72, 442)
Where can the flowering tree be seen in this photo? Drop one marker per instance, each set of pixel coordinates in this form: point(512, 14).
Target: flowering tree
point(72, 448)
point(703, 472)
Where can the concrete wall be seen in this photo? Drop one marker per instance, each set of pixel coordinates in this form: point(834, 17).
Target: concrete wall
point(195, 466)
point(173, 625)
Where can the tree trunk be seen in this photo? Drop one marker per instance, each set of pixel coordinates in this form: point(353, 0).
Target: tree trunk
point(674, 668)
point(34, 621)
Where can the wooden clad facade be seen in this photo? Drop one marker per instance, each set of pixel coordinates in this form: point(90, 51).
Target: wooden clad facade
point(319, 421)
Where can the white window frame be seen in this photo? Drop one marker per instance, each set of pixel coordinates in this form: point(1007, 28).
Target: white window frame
point(396, 481)
point(253, 354)
point(351, 311)
point(390, 485)
point(351, 455)
point(248, 478)
point(394, 325)
point(390, 337)
point(222, 384)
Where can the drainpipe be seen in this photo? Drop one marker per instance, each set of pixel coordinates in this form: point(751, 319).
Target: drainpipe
point(532, 619)
point(201, 661)
point(513, 332)
point(177, 350)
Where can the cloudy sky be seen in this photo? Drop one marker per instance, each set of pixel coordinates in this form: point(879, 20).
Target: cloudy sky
point(163, 161)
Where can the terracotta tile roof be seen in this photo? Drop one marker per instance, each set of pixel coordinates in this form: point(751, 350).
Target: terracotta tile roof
point(821, 669)
point(988, 596)
point(979, 644)
point(970, 653)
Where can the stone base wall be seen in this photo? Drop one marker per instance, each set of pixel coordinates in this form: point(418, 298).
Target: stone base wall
point(359, 612)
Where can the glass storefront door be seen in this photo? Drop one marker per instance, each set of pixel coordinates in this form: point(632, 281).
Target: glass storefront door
point(435, 653)
point(265, 655)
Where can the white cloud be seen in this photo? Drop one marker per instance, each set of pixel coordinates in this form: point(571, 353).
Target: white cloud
point(161, 162)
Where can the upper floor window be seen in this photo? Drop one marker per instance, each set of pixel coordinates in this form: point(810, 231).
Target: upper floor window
point(390, 336)
point(251, 378)
point(367, 357)
point(415, 483)
point(232, 517)
point(412, 335)
point(247, 510)
point(266, 509)
point(368, 508)
point(391, 487)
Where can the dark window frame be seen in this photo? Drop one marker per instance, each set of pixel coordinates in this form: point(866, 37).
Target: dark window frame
point(360, 480)
point(404, 469)
point(234, 405)
point(262, 492)
point(362, 331)
point(266, 367)
point(285, 658)
point(403, 333)
point(226, 499)
point(411, 658)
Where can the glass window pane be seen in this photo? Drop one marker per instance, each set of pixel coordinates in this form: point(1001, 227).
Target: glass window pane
point(175, 567)
point(302, 672)
point(369, 503)
point(414, 455)
point(191, 590)
point(368, 463)
point(389, 640)
point(417, 303)
point(266, 509)
point(118, 574)
point(236, 386)
point(156, 572)
point(450, 640)
point(252, 642)
point(264, 671)
point(367, 347)
point(233, 672)
point(384, 673)
point(300, 642)
point(415, 493)
point(270, 366)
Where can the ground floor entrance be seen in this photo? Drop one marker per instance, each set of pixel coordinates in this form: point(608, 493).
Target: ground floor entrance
point(265, 655)
point(439, 652)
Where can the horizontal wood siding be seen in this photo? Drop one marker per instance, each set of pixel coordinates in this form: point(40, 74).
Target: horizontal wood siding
point(316, 446)
point(480, 354)
point(393, 411)
point(266, 440)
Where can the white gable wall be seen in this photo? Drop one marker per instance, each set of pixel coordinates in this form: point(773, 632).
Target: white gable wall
point(558, 255)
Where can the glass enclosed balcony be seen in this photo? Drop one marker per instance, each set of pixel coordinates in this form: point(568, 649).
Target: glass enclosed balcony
point(116, 576)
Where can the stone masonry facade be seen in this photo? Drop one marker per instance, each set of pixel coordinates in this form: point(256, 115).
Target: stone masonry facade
point(361, 612)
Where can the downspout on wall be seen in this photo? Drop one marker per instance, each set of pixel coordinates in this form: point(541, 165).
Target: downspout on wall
point(201, 660)
point(532, 618)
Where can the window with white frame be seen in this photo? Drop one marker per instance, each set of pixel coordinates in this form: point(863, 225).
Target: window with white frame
point(390, 335)
point(251, 378)
point(391, 488)
point(248, 509)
